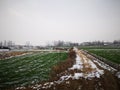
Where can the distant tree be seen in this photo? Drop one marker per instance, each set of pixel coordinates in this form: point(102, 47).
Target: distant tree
point(58, 43)
point(1, 43)
point(116, 42)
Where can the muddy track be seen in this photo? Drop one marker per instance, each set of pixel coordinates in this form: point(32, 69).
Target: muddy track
point(80, 72)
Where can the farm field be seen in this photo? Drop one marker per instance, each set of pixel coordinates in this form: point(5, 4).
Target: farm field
point(28, 69)
point(53, 70)
point(109, 54)
point(80, 72)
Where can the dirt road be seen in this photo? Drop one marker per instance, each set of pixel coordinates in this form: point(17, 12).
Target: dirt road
point(81, 72)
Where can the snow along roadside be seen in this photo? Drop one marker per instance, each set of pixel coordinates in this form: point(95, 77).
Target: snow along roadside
point(95, 72)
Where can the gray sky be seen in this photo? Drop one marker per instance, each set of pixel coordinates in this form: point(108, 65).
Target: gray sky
point(41, 21)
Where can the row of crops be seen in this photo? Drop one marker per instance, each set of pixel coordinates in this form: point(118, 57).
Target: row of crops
point(110, 54)
point(28, 69)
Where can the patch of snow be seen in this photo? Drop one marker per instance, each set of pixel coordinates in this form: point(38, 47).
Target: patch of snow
point(44, 86)
point(65, 77)
point(118, 74)
point(77, 75)
point(51, 83)
point(75, 49)
point(86, 76)
point(20, 88)
point(79, 67)
point(67, 82)
point(95, 67)
point(92, 64)
point(104, 65)
point(78, 63)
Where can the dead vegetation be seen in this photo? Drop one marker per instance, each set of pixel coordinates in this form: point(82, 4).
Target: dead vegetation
point(5, 55)
point(63, 66)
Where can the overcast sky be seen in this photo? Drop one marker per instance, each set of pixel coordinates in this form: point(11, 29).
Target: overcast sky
point(42, 21)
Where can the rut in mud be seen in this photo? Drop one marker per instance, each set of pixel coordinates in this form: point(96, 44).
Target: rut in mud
point(79, 72)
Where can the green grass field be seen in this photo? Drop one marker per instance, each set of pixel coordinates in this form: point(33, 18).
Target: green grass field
point(110, 54)
point(28, 69)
